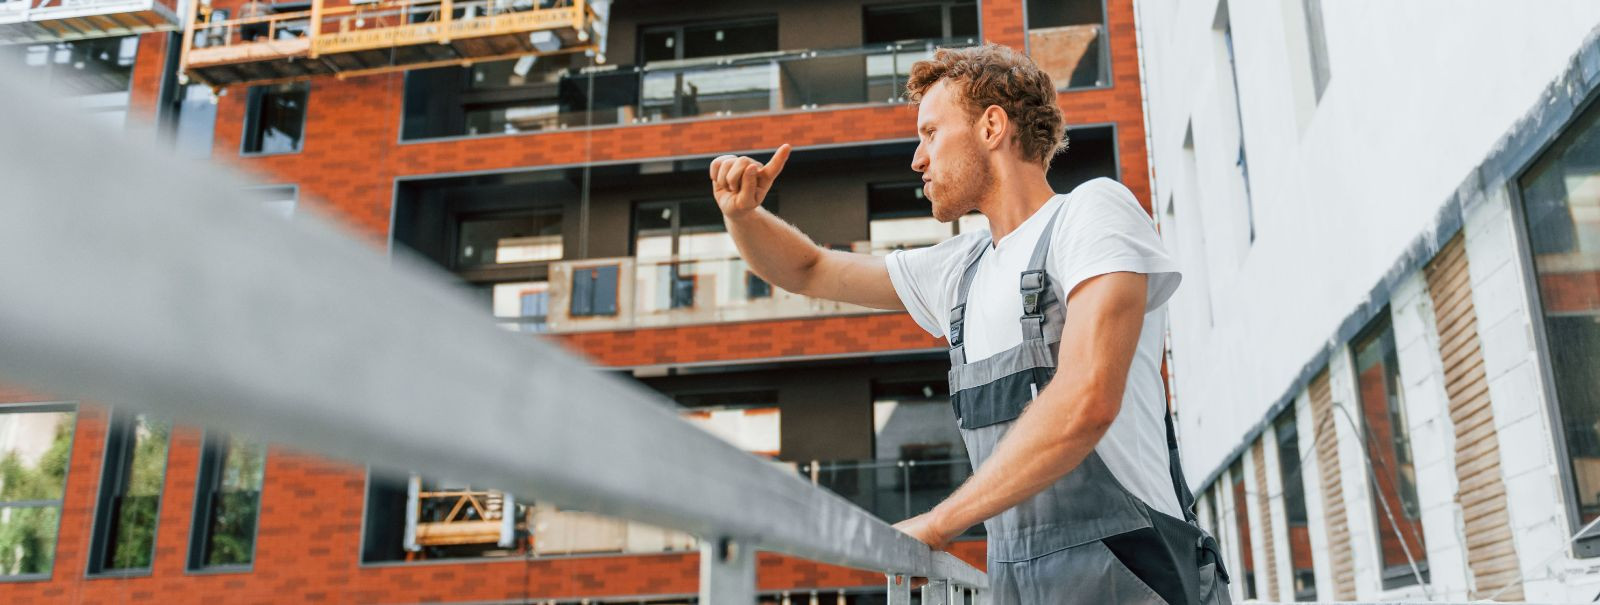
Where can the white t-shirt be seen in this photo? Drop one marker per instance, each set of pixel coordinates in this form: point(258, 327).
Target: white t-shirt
point(1101, 230)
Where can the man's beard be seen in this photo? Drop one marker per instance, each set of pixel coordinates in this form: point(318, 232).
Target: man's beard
point(963, 187)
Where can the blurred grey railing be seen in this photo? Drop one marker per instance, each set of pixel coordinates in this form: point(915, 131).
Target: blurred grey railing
point(133, 278)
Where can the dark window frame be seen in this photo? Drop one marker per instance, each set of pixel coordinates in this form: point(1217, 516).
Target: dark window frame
point(1397, 576)
point(114, 474)
point(679, 29)
point(1105, 47)
point(66, 480)
point(252, 111)
point(213, 449)
point(1586, 546)
point(946, 20)
point(1289, 422)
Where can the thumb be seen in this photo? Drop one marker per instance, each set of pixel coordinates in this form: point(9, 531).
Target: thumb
point(775, 165)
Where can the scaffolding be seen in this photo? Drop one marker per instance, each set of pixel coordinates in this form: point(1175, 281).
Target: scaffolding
point(39, 21)
point(265, 43)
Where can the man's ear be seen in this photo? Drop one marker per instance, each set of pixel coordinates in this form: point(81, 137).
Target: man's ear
point(992, 126)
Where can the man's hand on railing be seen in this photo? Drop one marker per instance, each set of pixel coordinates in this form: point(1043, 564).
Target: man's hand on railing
point(740, 183)
point(928, 528)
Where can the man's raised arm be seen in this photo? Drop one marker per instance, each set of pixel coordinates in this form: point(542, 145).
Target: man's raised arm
point(783, 255)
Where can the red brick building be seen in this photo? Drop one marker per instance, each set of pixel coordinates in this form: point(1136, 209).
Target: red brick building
point(571, 199)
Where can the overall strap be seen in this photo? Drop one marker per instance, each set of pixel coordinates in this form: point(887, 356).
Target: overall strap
point(1036, 281)
point(958, 353)
point(1179, 485)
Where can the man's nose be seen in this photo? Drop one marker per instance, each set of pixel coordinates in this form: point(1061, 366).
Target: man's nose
point(919, 160)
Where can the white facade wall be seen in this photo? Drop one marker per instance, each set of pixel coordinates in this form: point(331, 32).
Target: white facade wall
point(1340, 190)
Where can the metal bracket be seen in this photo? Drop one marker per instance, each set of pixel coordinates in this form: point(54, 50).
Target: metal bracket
point(727, 572)
point(936, 592)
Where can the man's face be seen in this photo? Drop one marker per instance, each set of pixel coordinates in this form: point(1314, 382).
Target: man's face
point(950, 155)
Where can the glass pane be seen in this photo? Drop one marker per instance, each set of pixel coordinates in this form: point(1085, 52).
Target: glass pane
point(517, 239)
point(134, 510)
point(729, 39)
point(279, 119)
point(658, 45)
point(527, 303)
point(694, 91)
point(1397, 512)
point(1294, 506)
point(1241, 517)
point(34, 452)
point(1561, 202)
point(964, 20)
point(899, 217)
point(896, 23)
point(28, 539)
point(80, 67)
point(1067, 40)
point(914, 421)
point(235, 504)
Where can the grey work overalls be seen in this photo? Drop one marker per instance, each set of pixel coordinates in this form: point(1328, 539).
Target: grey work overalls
point(1085, 539)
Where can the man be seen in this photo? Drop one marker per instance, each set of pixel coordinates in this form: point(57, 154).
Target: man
point(1063, 414)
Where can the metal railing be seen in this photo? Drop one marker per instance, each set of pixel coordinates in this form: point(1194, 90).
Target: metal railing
point(613, 95)
point(152, 284)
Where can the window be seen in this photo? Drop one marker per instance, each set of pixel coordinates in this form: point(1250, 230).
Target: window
point(749, 421)
point(197, 119)
point(594, 291)
point(81, 67)
point(275, 118)
point(35, 450)
point(1317, 39)
point(1222, 31)
point(1294, 506)
point(413, 518)
point(682, 246)
point(884, 23)
point(523, 237)
point(1561, 214)
point(1397, 513)
point(523, 306)
point(1067, 38)
point(227, 503)
point(694, 41)
point(130, 494)
point(1241, 517)
point(709, 89)
point(914, 421)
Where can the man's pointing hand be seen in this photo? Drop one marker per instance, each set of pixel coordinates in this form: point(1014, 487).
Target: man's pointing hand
point(740, 183)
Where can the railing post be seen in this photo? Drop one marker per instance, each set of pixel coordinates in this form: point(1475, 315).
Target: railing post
point(936, 592)
point(727, 572)
point(899, 589)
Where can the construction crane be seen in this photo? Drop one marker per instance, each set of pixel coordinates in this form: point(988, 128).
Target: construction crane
point(264, 43)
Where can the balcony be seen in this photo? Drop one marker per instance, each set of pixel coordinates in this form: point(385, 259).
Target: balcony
point(660, 91)
point(291, 40)
point(626, 293)
point(34, 21)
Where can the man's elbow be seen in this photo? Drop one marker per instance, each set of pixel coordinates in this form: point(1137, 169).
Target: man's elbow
point(1101, 406)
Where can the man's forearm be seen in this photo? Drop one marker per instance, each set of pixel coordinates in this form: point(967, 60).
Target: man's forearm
point(775, 250)
point(1051, 438)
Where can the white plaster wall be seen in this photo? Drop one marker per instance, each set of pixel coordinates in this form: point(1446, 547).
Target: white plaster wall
point(1419, 92)
point(1432, 441)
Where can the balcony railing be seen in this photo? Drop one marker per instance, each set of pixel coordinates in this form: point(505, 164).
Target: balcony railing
point(31, 21)
point(894, 490)
point(719, 86)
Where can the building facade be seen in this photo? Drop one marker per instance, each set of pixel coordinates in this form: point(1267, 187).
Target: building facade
point(1385, 333)
point(566, 193)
